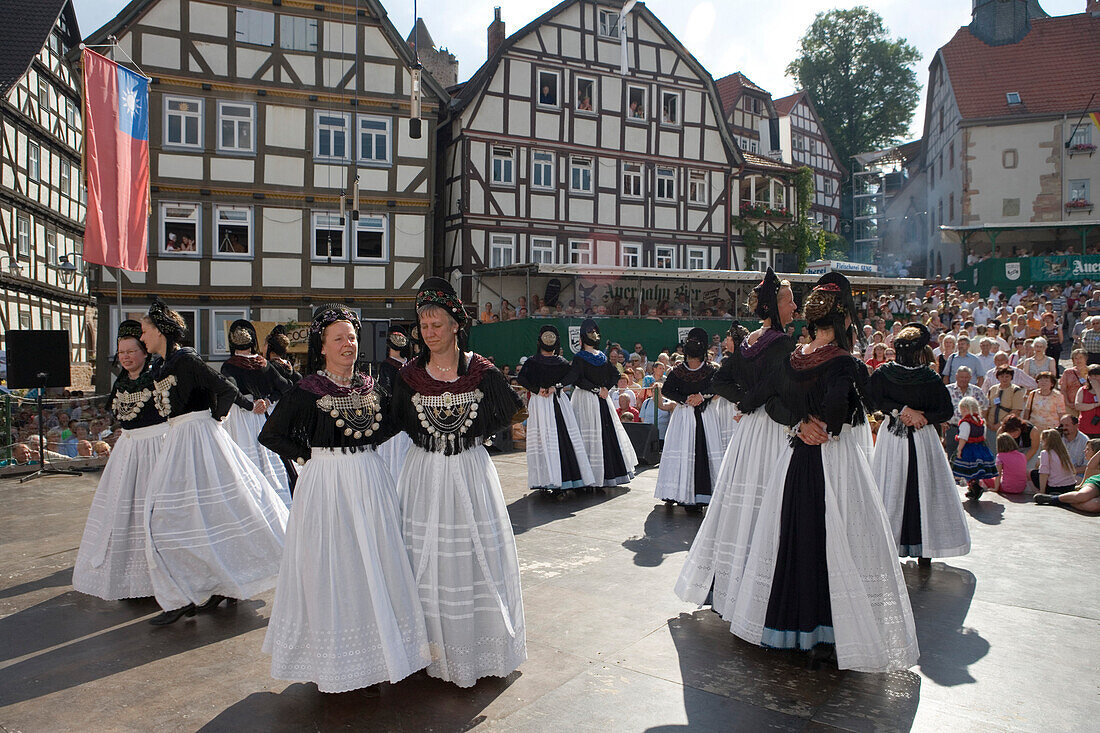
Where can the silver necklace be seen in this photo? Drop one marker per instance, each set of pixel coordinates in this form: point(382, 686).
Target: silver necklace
point(337, 379)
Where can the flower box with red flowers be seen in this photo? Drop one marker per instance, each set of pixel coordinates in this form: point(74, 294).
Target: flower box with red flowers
point(1079, 204)
point(764, 211)
point(1082, 148)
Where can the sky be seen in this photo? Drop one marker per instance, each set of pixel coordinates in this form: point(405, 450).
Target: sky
point(756, 38)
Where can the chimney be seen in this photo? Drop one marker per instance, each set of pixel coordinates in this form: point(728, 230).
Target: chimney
point(496, 32)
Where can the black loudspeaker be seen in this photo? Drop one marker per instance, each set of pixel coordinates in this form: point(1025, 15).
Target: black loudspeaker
point(786, 262)
point(34, 353)
point(414, 128)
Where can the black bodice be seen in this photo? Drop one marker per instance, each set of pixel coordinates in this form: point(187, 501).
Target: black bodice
point(593, 377)
point(267, 382)
point(748, 376)
point(183, 383)
point(893, 387)
point(543, 371)
point(830, 389)
point(131, 401)
point(683, 382)
point(316, 413)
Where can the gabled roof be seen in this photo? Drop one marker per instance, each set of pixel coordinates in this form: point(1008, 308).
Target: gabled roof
point(476, 83)
point(136, 8)
point(1054, 68)
point(24, 31)
point(730, 88)
point(783, 107)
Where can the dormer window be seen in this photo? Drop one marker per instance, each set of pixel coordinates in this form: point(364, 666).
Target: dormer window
point(1013, 97)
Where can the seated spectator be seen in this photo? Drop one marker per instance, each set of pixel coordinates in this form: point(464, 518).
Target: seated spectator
point(878, 356)
point(1005, 398)
point(626, 410)
point(1026, 436)
point(84, 449)
point(1044, 403)
point(1056, 473)
point(890, 354)
point(1039, 361)
point(20, 455)
point(1075, 441)
point(1011, 467)
point(101, 449)
point(664, 412)
point(1086, 498)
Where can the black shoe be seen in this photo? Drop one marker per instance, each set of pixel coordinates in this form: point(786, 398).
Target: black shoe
point(1044, 499)
point(974, 492)
point(171, 617)
point(214, 601)
point(924, 562)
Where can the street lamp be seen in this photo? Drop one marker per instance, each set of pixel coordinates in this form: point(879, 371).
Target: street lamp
point(13, 265)
point(66, 271)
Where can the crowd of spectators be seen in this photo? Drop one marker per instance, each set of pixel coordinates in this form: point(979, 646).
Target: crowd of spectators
point(73, 428)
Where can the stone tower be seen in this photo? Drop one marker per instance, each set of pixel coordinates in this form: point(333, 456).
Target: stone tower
point(1001, 22)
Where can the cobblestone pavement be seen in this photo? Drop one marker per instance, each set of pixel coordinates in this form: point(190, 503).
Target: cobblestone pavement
point(1009, 637)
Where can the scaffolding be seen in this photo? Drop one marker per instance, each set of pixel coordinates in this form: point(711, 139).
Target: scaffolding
point(876, 177)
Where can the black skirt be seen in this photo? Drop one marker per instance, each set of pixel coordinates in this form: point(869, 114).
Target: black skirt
point(703, 485)
point(614, 468)
point(799, 612)
point(570, 467)
point(910, 543)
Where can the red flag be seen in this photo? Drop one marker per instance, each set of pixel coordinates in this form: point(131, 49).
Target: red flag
point(116, 152)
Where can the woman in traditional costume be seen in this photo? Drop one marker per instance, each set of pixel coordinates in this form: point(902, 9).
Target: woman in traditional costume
point(278, 353)
point(261, 385)
point(693, 450)
point(608, 447)
point(111, 563)
point(214, 525)
point(822, 573)
point(398, 350)
point(556, 459)
point(909, 464)
point(346, 612)
point(721, 546)
point(452, 403)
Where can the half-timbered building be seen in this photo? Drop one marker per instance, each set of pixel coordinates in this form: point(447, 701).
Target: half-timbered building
point(264, 113)
point(42, 283)
point(804, 142)
point(552, 155)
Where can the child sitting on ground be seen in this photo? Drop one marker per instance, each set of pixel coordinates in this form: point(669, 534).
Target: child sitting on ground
point(1087, 498)
point(1011, 465)
point(973, 461)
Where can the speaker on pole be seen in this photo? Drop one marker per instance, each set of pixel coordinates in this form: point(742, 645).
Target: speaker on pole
point(33, 353)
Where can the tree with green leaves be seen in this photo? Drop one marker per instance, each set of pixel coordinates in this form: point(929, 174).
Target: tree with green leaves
point(862, 82)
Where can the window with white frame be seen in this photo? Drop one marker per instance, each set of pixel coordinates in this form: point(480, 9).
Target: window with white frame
point(503, 166)
point(233, 231)
point(1079, 190)
point(542, 169)
point(25, 321)
point(580, 252)
point(65, 178)
point(183, 122)
point(328, 236)
point(697, 187)
point(372, 238)
point(23, 234)
point(664, 257)
point(609, 24)
point(220, 319)
point(179, 229)
point(374, 139)
point(255, 26)
point(631, 255)
point(297, 34)
point(1082, 135)
point(697, 258)
point(584, 94)
point(632, 180)
point(47, 321)
point(502, 250)
point(549, 91)
point(43, 93)
point(70, 114)
point(542, 250)
point(670, 108)
point(34, 158)
point(580, 174)
point(330, 137)
point(51, 248)
point(235, 126)
point(636, 103)
point(666, 184)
